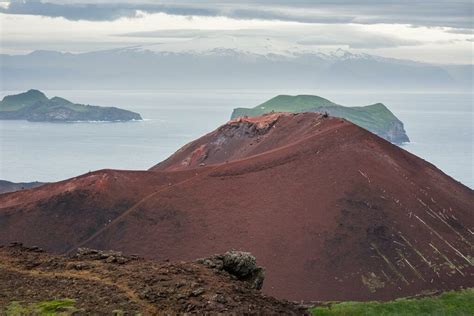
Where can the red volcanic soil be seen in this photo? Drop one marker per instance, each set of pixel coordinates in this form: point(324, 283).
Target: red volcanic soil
point(331, 211)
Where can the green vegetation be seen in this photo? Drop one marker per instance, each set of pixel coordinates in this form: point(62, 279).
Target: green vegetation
point(33, 105)
point(376, 118)
point(285, 103)
point(54, 307)
point(449, 303)
point(22, 100)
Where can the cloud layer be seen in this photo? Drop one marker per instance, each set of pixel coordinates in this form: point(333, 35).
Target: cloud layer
point(429, 30)
point(452, 13)
point(318, 35)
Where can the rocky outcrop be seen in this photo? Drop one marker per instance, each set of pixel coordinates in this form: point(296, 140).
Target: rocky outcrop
point(239, 264)
point(395, 133)
point(109, 256)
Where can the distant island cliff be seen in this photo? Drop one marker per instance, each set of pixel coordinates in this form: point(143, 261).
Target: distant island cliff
point(376, 118)
point(7, 186)
point(34, 106)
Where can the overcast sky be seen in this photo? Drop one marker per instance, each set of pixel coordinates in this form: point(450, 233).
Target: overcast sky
point(433, 31)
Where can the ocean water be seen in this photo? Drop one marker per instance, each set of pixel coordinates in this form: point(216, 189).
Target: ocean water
point(440, 126)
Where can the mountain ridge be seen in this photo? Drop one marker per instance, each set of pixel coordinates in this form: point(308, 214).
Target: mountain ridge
point(140, 67)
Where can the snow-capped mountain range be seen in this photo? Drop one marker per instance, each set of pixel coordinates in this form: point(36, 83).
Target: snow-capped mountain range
point(251, 48)
point(225, 63)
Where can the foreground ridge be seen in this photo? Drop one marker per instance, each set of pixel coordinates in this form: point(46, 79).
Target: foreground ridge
point(107, 281)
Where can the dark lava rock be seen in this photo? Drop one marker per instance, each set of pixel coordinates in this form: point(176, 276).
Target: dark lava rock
point(108, 256)
point(240, 264)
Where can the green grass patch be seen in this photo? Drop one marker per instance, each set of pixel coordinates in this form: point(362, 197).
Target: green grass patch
point(53, 307)
point(449, 303)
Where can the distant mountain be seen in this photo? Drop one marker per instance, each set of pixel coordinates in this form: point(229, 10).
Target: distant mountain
point(161, 66)
point(375, 118)
point(7, 186)
point(33, 105)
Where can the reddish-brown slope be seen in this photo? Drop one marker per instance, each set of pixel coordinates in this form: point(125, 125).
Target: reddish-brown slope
point(61, 215)
point(244, 137)
point(332, 211)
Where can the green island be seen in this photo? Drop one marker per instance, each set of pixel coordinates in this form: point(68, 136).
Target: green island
point(376, 118)
point(34, 106)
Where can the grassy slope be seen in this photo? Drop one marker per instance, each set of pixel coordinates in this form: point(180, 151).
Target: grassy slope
point(35, 97)
point(449, 303)
point(285, 103)
point(375, 117)
point(22, 100)
point(54, 307)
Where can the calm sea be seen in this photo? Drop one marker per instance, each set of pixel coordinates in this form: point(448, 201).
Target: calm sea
point(440, 126)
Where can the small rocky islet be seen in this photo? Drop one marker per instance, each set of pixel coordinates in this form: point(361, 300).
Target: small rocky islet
point(35, 106)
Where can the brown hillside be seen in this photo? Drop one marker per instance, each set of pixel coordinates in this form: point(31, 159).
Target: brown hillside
point(332, 211)
point(101, 282)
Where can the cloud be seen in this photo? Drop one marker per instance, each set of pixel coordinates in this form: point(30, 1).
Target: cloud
point(360, 41)
point(98, 11)
point(247, 25)
point(320, 35)
point(461, 31)
point(454, 13)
